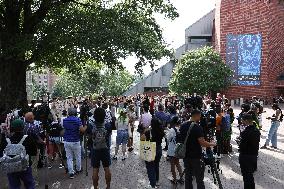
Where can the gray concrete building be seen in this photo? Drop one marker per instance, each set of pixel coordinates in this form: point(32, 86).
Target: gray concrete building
point(197, 35)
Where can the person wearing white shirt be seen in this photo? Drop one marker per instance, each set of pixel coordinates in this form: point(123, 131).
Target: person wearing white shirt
point(175, 164)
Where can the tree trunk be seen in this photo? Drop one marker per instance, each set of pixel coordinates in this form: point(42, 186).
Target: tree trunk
point(13, 84)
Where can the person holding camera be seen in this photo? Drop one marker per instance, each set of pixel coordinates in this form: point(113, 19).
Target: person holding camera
point(193, 161)
point(248, 148)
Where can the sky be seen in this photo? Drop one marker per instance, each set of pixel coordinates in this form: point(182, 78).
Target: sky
point(190, 11)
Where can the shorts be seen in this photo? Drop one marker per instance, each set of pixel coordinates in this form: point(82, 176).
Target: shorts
point(56, 140)
point(122, 137)
point(98, 156)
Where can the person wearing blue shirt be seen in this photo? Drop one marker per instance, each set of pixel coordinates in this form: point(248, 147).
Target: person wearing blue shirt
point(72, 127)
point(164, 119)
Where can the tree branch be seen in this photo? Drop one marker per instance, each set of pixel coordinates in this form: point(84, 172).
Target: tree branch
point(36, 18)
point(80, 3)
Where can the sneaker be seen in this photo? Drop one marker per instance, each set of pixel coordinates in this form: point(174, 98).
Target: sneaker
point(157, 184)
point(181, 181)
point(264, 147)
point(61, 166)
point(49, 166)
point(78, 172)
point(274, 147)
point(123, 158)
point(174, 182)
point(71, 176)
point(130, 149)
point(150, 187)
point(114, 158)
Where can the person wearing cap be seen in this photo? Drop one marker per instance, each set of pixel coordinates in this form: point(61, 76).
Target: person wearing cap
point(172, 141)
point(72, 127)
point(122, 133)
point(248, 148)
point(17, 133)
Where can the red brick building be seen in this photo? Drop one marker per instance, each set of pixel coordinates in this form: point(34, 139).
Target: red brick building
point(257, 22)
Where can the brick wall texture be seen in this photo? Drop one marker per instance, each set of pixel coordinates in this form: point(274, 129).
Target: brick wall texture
point(265, 17)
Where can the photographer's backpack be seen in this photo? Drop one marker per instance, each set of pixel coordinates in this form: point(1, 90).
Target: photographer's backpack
point(15, 158)
point(99, 138)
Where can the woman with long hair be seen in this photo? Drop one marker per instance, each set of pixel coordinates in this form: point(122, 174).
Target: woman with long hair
point(122, 133)
point(131, 117)
point(276, 118)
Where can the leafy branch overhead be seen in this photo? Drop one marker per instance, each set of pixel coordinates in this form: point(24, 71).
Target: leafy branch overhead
point(65, 33)
point(93, 79)
point(200, 71)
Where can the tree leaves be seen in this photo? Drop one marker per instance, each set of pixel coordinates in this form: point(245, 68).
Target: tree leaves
point(67, 33)
point(200, 71)
point(92, 78)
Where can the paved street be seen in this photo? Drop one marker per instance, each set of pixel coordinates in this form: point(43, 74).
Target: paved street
point(131, 174)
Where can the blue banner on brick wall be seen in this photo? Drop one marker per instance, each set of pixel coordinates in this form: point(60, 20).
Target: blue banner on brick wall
point(243, 55)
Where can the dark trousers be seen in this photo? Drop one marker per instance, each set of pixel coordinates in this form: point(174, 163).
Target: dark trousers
point(152, 167)
point(219, 142)
point(25, 176)
point(196, 168)
point(248, 164)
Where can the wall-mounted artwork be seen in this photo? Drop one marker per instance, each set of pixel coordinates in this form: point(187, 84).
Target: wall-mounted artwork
point(243, 55)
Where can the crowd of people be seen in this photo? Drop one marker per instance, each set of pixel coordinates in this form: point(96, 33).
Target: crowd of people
point(74, 129)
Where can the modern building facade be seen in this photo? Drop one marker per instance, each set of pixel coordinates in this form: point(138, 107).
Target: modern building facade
point(197, 35)
point(249, 35)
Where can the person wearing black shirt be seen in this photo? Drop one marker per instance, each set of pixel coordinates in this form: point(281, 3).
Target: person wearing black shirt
point(193, 161)
point(17, 127)
point(155, 134)
point(249, 146)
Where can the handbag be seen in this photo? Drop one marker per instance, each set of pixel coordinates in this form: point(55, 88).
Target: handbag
point(180, 149)
point(148, 150)
point(140, 128)
point(113, 126)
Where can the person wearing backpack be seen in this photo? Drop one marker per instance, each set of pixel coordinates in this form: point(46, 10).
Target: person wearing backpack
point(17, 145)
point(193, 161)
point(276, 119)
point(99, 132)
point(72, 127)
point(172, 140)
point(55, 140)
point(33, 129)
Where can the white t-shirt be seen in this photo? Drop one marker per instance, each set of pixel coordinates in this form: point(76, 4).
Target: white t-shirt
point(145, 119)
point(171, 136)
point(122, 125)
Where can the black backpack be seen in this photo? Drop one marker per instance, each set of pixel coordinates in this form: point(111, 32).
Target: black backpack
point(55, 129)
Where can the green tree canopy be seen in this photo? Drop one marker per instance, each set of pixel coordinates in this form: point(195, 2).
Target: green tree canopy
point(200, 71)
point(68, 33)
point(92, 79)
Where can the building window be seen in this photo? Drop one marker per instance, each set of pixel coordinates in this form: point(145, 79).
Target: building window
point(200, 39)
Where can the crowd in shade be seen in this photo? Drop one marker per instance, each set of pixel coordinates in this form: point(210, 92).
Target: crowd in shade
point(194, 131)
